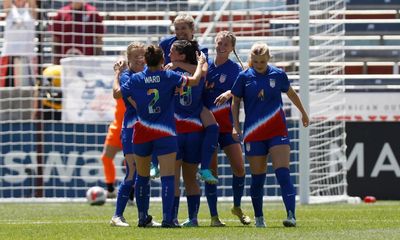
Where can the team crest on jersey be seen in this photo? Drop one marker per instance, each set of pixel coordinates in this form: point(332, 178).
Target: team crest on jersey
point(222, 78)
point(272, 82)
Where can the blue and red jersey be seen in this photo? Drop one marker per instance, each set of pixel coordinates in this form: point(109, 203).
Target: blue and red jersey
point(262, 99)
point(219, 80)
point(153, 93)
point(188, 106)
point(130, 116)
point(166, 44)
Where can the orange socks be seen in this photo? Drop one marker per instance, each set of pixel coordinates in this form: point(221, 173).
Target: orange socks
point(109, 169)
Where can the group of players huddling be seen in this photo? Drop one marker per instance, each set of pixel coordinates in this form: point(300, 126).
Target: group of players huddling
point(180, 105)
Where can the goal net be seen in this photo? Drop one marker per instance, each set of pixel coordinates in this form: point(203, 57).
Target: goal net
point(52, 135)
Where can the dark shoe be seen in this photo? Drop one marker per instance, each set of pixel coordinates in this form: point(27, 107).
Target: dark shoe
point(148, 222)
point(165, 224)
point(290, 221)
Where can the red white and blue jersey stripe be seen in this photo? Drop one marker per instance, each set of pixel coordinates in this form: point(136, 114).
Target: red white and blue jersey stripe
point(153, 93)
point(188, 106)
point(166, 44)
point(219, 80)
point(130, 116)
point(262, 99)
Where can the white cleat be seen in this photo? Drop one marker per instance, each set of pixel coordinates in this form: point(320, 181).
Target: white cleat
point(117, 221)
point(244, 219)
point(260, 223)
point(153, 224)
point(148, 222)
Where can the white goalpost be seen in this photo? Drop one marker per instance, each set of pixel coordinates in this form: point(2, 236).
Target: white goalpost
point(52, 136)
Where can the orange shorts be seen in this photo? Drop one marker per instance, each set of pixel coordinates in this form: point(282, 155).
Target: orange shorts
point(114, 135)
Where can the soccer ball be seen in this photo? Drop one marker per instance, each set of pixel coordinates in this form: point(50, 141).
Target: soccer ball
point(96, 196)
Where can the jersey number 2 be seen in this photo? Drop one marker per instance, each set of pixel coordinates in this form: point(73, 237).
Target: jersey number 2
point(152, 108)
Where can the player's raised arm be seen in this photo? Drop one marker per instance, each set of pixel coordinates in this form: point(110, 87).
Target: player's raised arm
point(118, 67)
point(194, 80)
point(188, 67)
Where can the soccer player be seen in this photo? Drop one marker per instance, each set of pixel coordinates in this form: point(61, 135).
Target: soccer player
point(265, 131)
point(152, 92)
point(184, 30)
point(188, 106)
point(135, 56)
point(222, 73)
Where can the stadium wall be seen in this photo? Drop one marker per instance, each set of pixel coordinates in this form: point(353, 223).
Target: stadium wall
point(373, 158)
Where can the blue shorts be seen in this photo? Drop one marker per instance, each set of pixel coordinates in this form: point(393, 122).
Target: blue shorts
point(226, 139)
point(189, 147)
point(259, 148)
point(126, 139)
point(157, 147)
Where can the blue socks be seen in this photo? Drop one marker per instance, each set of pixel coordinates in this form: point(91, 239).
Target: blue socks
point(211, 194)
point(132, 193)
point(210, 142)
point(287, 189)
point(167, 195)
point(257, 193)
point(238, 188)
point(124, 190)
point(175, 208)
point(193, 202)
point(142, 194)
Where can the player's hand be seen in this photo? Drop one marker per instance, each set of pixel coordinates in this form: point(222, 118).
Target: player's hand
point(119, 65)
point(305, 120)
point(237, 135)
point(177, 90)
point(223, 98)
point(201, 57)
point(170, 66)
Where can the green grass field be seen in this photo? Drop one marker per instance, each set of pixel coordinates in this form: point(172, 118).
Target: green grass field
point(380, 220)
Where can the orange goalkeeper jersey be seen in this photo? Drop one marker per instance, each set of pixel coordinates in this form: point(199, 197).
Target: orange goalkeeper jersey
point(114, 130)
